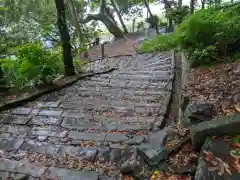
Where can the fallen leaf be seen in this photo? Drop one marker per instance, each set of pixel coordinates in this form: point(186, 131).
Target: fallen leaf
point(236, 164)
point(237, 145)
point(223, 166)
point(237, 107)
point(214, 137)
point(207, 153)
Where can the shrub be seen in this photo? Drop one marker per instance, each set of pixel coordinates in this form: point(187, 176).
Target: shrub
point(159, 43)
point(217, 29)
point(206, 36)
point(34, 66)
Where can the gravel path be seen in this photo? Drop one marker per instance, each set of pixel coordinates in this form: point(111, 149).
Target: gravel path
point(87, 131)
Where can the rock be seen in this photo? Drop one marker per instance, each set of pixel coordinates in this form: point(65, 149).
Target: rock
point(163, 167)
point(225, 125)
point(117, 138)
point(156, 139)
point(236, 97)
point(20, 177)
point(47, 113)
point(70, 174)
point(132, 163)
point(135, 140)
point(15, 120)
point(151, 156)
point(115, 155)
point(154, 156)
point(22, 167)
point(128, 168)
point(11, 144)
point(196, 113)
point(204, 171)
point(4, 175)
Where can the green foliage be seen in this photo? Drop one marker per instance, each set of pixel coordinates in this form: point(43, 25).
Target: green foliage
point(177, 14)
point(33, 67)
point(78, 65)
point(140, 25)
point(159, 43)
point(211, 31)
point(206, 36)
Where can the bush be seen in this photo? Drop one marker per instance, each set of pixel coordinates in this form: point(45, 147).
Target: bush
point(206, 36)
point(218, 29)
point(33, 67)
point(159, 43)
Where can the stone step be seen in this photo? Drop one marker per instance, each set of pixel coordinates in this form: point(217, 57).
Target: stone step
point(165, 62)
point(150, 88)
point(132, 85)
point(107, 90)
point(144, 72)
point(137, 79)
point(160, 61)
point(25, 170)
point(121, 96)
point(105, 118)
point(118, 107)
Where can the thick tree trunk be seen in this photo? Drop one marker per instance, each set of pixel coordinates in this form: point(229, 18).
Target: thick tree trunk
point(151, 15)
point(119, 16)
point(75, 20)
point(65, 38)
point(112, 28)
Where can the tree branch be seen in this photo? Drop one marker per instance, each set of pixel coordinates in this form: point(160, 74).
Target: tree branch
point(92, 17)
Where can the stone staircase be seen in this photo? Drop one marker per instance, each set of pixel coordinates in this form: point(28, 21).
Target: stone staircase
point(90, 130)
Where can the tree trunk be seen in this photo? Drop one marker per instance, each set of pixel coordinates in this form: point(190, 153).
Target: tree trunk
point(203, 3)
point(75, 20)
point(180, 4)
point(119, 16)
point(65, 38)
point(112, 28)
point(192, 3)
point(151, 15)
point(106, 18)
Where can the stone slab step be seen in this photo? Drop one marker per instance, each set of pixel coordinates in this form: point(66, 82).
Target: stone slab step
point(133, 92)
point(120, 96)
point(150, 88)
point(39, 171)
point(144, 72)
point(167, 86)
point(136, 78)
point(160, 61)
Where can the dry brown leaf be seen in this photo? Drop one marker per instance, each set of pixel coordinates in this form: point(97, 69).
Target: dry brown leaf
point(224, 165)
point(237, 145)
point(207, 153)
point(236, 164)
point(237, 107)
